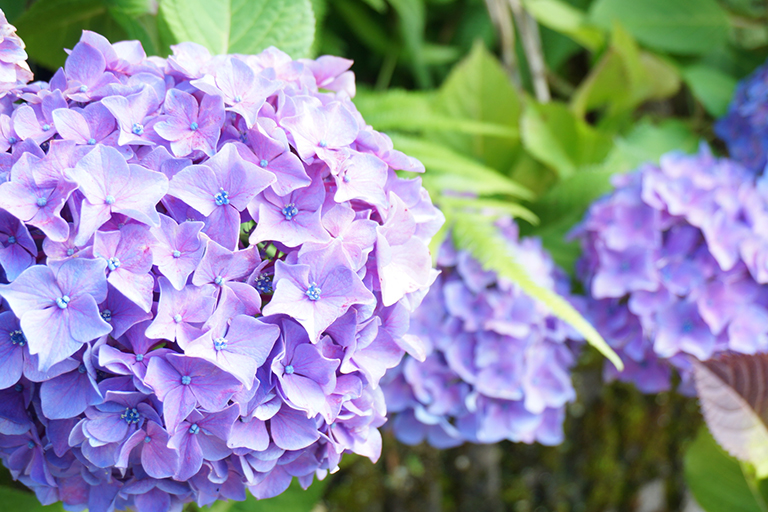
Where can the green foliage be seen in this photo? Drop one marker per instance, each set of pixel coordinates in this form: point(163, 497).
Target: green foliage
point(713, 88)
point(559, 139)
point(690, 27)
point(476, 233)
point(568, 20)
point(719, 482)
point(242, 26)
point(16, 500)
point(295, 499)
point(49, 26)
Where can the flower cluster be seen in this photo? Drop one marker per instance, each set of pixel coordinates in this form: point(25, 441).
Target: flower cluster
point(14, 70)
point(745, 127)
point(209, 263)
point(498, 363)
point(675, 260)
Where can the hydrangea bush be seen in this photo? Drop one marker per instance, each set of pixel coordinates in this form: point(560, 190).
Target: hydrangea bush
point(745, 127)
point(209, 264)
point(675, 260)
point(498, 363)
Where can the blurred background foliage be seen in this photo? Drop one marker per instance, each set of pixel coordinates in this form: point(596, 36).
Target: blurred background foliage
point(516, 107)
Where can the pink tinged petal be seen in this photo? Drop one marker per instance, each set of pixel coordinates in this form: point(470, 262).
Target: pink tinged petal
point(302, 227)
point(157, 459)
point(199, 187)
point(223, 226)
point(362, 176)
point(251, 434)
point(240, 178)
point(85, 64)
point(190, 453)
point(292, 430)
point(82, 276)
point(48, 334)
point(329, 127)
point(138, 192)
point(177, 405)
point(304, 393)
point(71, 125)
point(136, 287)
point(177, 250)
point(34, 289)
point(402, 268)
point(85, 321)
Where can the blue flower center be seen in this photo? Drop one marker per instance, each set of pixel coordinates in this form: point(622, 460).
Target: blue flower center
point(263, 163)
point(137, 128)
point(221, 198)
point(238, 98)
point(290, 211)
point(313, 292)
point(46, 127)
point(91, 141)
point(147, 439)
point(346, 178)
point(70, 252)
point(11, 239)
point(131, 415)
point(18, 388)
point(31, 445)
point(113, 263)
point(625, 266)
point(106, 315)
point(18, 338)
point(264, 283)
point(219, 344)
point(186, 379)
point(289, 369)
point(82, 368)
point(63, 301)
point(687, 327)
point(218, 281)
point(109, 200)
point(42, 201)
point(194, 429)
point(176, 254)
point(193, 126)
point(83, 88)
point(12, 140)
point(322, 143)
point(177, 318)
point(139, 358)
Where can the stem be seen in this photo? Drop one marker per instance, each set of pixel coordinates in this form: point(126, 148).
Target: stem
point(501, 19)
point(750, 478)
point(531, 39)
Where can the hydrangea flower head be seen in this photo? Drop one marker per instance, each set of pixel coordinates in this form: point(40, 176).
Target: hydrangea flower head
point(192, 297)
point(675, 263)
point(498, 365)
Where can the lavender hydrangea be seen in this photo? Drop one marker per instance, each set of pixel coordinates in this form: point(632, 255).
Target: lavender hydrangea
point(745, 127)
point(675, 262)
point(498, 362)
point(207, 263)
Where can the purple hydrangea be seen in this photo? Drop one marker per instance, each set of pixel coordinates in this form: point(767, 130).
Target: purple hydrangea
point(498, 362)
point(745, 127)
point(207, 263)
point(675, 263)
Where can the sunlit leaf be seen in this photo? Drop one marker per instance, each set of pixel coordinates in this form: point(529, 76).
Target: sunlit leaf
point(713, 88)
point(566, 19)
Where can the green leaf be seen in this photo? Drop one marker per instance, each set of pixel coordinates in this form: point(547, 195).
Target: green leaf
point(476, 233)
point(411, 111)
point(14, 499)
point(566, 19)
point(412, 22)
point(478, 89)
point(713, 88)
point(49, 26)
point(12, 9)
point(494, 206)
point(242, 26)
point(295, 499)
point(718, 481)
point(691, 27)
point(364, 26)
point(143, 28)
point(440, 159)
point(133, 8)
point(559, 139)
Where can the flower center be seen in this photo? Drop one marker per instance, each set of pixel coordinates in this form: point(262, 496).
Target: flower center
point(131, 415)
point(18, 388)
point(139, 358)
point(18, 338)
point(322, 143)
point(263, 163)
point(46, 127)
point(290, 211)
point(113, 263)
point(12, 140)
point(289, 369)
point(91, 141)
point(31, 445)
point(193, 126)
point(218, 281)
point(176, 254)
point(221, 198)
point(109, 200)
point(313, 292)
point(83, 88)
point(147, 439)
point(11, 240)
point(137, 128)
point(186, 379)
point(264, 283)
point(63, 302)
point(82, 368)
point(238, 98)
point(177, 318)
point(219, 344)
point(42, 201)
point(194, 429)
point(687, 327)
point(70, 251)
point(106, 315)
